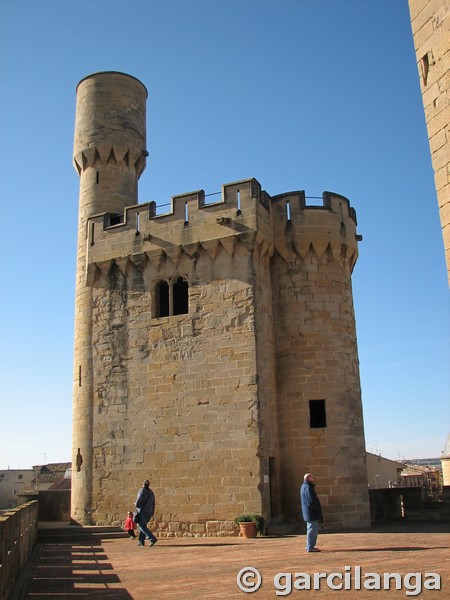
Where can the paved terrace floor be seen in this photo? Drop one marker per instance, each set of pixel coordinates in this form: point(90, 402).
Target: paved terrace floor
point(105, 568)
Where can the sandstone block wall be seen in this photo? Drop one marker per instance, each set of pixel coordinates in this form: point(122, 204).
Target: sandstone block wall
point(430, 20)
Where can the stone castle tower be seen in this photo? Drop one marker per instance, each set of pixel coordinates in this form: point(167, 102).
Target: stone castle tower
point(215, 345)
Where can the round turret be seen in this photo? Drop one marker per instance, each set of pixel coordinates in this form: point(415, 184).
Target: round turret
point(109, 156)
point(110, 140)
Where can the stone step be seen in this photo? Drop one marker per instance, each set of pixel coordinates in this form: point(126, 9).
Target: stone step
point(56, 533)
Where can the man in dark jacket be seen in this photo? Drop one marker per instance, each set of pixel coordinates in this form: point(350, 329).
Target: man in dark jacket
point(145, 505)
point(311, 510)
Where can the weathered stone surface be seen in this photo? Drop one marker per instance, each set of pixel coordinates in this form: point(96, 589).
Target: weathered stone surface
point(430, 21)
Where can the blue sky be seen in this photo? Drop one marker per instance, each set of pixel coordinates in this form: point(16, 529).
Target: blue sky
point(300, 94)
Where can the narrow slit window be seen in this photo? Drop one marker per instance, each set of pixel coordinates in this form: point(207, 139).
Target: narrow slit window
point(180, 297)
point(425, 66)
point(288, 211)
point(238, 202)
point(97, 177)
point(138, 221)
point(162, 299)
point(317, 414)
point(186, 213)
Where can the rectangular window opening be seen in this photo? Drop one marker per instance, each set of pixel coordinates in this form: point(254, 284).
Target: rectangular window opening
point(186, 213)
point(317, 414)
point(425, 66)
point(138, 222)
point(288, 211)
point(238, 202)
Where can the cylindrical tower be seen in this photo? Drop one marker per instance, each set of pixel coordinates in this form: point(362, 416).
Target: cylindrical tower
point(109, 155)
point(319, 395)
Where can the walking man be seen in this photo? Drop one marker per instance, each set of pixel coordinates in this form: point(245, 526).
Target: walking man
point(145, 504)
point(311, 510)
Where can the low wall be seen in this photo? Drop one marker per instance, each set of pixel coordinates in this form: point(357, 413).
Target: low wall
point(18, 536)
point(392, 504)
point(54, 505)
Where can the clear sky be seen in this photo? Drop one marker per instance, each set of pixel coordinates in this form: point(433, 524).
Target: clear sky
point(300, 94)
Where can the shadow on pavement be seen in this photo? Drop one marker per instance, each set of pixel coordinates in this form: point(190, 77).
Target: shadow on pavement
point(72, 571)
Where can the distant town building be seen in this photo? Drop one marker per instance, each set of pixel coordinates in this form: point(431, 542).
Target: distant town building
point(12, 483)
point(46, 476)
point(15, 483)
point(445, 462)
point(383, 472)
point(429, 479)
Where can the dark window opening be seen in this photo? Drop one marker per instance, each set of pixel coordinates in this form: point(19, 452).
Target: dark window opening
point(425, 65)
point(114, 219)
point(317, 414)
point(180, 297)
point(162, 299)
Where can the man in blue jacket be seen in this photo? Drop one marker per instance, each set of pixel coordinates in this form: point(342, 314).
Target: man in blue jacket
point(145, 505)
point(311, 510)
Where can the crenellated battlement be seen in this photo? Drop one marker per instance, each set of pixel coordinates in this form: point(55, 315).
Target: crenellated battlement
point(102, 155)
point(283, 221)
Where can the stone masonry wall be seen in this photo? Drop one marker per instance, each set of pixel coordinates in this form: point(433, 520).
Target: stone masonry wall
point(430, 20)
point(175, 398)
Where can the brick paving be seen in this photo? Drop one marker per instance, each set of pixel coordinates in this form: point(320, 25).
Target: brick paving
point(193, 568)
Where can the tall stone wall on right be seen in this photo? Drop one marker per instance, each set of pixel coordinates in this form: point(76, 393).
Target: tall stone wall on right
point(431, 31)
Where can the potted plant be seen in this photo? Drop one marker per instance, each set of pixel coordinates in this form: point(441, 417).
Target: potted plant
point(250, 525)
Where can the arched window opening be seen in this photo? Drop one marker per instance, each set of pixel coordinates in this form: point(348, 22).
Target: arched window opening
point(162, 299)
point(180, 297)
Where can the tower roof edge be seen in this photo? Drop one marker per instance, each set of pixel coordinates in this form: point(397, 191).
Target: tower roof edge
point(112, 73)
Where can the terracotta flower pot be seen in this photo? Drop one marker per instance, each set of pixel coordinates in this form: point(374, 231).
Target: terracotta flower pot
point(248, 529)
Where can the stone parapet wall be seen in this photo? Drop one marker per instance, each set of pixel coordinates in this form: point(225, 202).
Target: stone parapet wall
point(18, 537)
